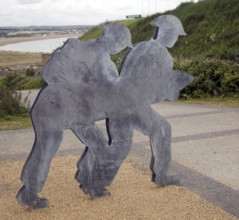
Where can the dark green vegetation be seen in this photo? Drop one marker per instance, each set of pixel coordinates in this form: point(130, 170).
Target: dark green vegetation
point(212, 78)
point(10, 103)
point(210, 51)
point(13, 114)
point(10, 99)
point(212, 27)
point(16, 81)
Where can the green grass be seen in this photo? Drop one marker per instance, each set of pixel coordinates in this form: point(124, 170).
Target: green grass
point(212, 28)
point(130, 21)
point(221, 102)
point(9, 59)
point(1, 79)
point(15, 122)
point(96, 31)
point(21, 81)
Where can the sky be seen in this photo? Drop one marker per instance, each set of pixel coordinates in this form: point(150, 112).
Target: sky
point(77, 12)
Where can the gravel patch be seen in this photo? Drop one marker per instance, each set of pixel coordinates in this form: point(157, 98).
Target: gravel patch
point(133, 196)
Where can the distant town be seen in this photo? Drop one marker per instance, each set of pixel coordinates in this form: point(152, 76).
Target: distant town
point(15, 62)
point(42, 31)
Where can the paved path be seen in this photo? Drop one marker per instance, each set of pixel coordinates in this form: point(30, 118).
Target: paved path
point(205, 149)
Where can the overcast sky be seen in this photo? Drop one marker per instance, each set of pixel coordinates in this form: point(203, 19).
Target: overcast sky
point(77, 12)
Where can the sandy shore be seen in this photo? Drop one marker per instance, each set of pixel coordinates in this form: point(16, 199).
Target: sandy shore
point(133, 196)
point(12, 40)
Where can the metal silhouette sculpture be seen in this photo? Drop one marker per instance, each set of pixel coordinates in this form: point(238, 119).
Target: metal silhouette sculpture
point(84, 86)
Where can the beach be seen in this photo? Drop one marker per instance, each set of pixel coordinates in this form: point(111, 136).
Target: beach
point(13, 40)
point(16, 59)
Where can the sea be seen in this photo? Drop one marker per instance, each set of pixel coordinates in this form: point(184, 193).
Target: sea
point(39, 46)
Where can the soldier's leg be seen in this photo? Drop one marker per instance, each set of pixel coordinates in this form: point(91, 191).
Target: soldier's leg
point(90, 171)
point(159, 130)
point(121, 134)
point(100, 162)
point(36, 168)
point(160, 142)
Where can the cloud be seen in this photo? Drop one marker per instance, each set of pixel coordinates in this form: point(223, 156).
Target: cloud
point(64, 12)
point(28, 2)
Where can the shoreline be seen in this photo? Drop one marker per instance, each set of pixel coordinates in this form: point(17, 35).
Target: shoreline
point(13, 40)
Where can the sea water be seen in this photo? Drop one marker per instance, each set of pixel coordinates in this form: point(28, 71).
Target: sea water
point(41, 46)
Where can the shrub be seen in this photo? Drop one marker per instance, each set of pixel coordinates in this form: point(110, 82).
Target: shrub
point(12, 80)
point(30, 71)
point(10, 103)
point(212, 78)
point(34, 83)
point(19, 82)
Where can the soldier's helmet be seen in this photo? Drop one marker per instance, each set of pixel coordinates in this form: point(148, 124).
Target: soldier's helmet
point(167, 23)
point(118, 37)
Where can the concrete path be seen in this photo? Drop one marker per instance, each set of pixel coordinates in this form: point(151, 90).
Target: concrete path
point(205, 149)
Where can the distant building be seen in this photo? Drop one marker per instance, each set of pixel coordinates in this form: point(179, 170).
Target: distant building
point(133, 16)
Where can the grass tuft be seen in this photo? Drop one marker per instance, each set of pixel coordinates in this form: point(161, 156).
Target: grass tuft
point(15, 122)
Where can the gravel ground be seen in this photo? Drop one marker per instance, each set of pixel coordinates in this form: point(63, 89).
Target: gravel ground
point(133, 196)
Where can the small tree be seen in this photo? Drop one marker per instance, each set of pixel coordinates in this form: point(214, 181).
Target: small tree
point(30, 71)
point(10, 103)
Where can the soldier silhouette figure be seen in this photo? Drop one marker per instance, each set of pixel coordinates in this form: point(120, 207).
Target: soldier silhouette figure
point(84, 87)
point(74, 75)
point(146, 77)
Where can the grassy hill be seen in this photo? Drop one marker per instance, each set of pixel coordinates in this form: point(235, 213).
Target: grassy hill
point(210, 51)
point(212, 28)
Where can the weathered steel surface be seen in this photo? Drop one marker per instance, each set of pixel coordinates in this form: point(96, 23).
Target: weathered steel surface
point(84, 86)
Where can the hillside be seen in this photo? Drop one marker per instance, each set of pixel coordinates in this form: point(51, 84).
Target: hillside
point(212, 28)
point(209, 52)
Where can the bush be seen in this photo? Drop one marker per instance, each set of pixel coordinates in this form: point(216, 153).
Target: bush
point(10, 103)
point(15, 81)
point(30, 71)
point(212, 78)
point(12, 80)
point(34, 83)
